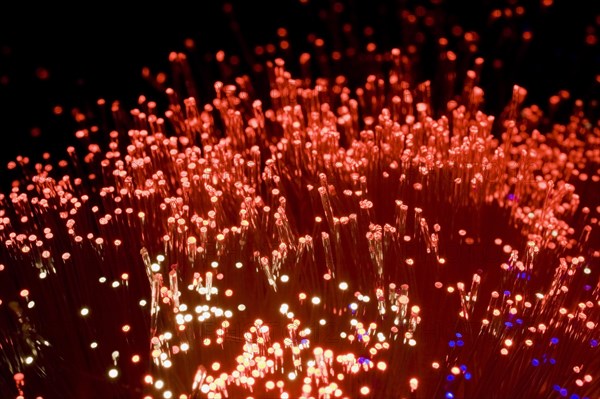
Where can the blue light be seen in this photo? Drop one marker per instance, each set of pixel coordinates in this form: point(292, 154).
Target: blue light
point(451, 344)
point(460, 343)
point(594, 343)
point(450, 377)
point(587, 287)
point(449, 395)
point(535, 362)
point(574, 396)
point(556, 387)
point(553, 361)
point(467, 376)
point(508, 324)
point(458, 335)
point(519, 321)
point(554, 341)
point(563, 392)
point(463, 367)
point(523, 275)
point(506, 293)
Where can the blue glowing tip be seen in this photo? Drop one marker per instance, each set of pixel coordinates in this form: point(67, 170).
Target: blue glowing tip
point(467, 376)
point(563, 392)
point(458, 335)
point(556, 387)
point(594, 343)
point(524, 275)
point(554, 341)
point(535, 362)
point(574, 396)
point(449, 395)
point(508, 324)
point(463, 367)
point(450, 377)
point(506, 293)
point(451, 344)
point(552, 361)
point(519, 321)
point(460, 343)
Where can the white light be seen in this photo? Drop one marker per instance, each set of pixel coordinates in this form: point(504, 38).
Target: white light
point(43, 275)
point(343, 286)
point(84, 311)
point(284, 278)
point(160, 258)
point(241, 307)
point(353, 306)
point(214, 264)
point(239, 265)
point(155, 267)
point(283, 309)
point(31, 304)
point(167, 395)
point(291, 376)
point(218, 312)
point(187, 318)
point(228, 314)
point(102, 280)
point(322, 322)
point(316, 300)
point(28, 360)
point(142, 302)
point(159, 384)
point(198, 309)
point(185, 346)
point(168, 335)
point(113, 373)
point(94, 345)
point(115, 284)
point(182, 307)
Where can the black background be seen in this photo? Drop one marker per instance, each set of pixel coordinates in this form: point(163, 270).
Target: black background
point(92, 53)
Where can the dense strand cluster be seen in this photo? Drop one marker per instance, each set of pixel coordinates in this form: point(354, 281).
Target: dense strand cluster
point(321, 241)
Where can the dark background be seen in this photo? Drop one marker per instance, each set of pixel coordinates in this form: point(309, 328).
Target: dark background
point(72, 56)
